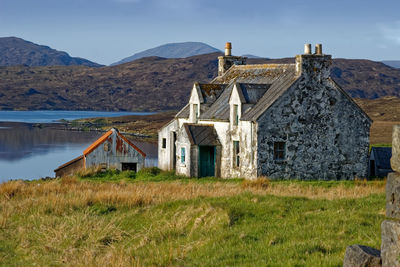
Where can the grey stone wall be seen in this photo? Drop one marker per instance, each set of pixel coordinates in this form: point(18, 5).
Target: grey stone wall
point(225, 62)
point(326, 134)
point(395, 160)
point(390, 248)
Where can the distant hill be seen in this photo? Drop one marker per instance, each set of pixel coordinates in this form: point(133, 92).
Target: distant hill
point(172, 50)
point(360, 78)
point(392, 63)
point(16, 51)
point(154, 83)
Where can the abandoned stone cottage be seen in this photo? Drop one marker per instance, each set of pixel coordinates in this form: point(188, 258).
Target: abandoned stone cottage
point(276, 120)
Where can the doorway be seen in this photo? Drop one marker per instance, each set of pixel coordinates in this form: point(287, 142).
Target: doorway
point(129, 166)
point(174, 150)
point(372, 168)
point(206, 161)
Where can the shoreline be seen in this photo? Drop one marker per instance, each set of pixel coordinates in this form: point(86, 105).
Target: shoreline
point(140, 127)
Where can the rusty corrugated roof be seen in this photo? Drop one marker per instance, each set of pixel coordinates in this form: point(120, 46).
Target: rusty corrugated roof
point(104, 138)
point(131, 144)
point(98, 142)
point(69, 163)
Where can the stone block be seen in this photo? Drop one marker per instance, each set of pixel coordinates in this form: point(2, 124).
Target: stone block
point(390, 249)
point(362, 256)
point(395, 160)
point(393, 195)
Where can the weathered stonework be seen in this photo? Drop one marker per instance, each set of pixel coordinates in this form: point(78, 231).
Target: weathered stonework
point(390, 228)
point(390, 250)
point(225, 62)
point(395, 160)
point(393, 196)
point(362, 256)
point(326, 136)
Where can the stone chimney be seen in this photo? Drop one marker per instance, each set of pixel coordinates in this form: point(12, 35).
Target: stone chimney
point(227, 61)
point(228, 49)
point(316, 66)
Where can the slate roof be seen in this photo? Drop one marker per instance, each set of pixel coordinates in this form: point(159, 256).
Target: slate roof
point(202, 134)
point(210, 92)
point(256, 73)
point(382, 157)
point(260, 85)
point(250, 93)
point(281, 85)
point(184, 112)
point(220, 109)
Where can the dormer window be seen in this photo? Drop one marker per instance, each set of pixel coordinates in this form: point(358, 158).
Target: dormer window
point(235, 114)
point(195, 111)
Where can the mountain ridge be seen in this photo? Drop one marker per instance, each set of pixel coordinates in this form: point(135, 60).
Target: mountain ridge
point(156, 84)
point(17, 51)
point(172, 50)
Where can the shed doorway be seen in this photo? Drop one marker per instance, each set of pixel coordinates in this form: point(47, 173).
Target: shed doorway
point(129, 166)
point(206, 161)
point(372, 172)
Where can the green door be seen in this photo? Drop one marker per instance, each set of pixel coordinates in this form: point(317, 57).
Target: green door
point(206, 161)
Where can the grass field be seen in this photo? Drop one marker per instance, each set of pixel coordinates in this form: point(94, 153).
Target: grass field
point(158, 219)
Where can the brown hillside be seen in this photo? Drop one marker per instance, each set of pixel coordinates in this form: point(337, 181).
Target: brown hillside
point(155, 83)
point(145, 84)
point(385, 112)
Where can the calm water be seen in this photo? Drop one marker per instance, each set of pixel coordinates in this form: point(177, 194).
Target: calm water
point(28, 152)
point(47, 116)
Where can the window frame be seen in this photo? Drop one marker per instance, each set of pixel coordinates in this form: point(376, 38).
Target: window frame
point(279, 151)
point(236, 152)
point(183, 155)
point(196, 111)
point(235, 114)
point(164, 143)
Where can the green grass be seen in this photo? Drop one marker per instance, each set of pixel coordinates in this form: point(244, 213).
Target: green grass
point(153, 174)
point(246, 229)
point(379, 145)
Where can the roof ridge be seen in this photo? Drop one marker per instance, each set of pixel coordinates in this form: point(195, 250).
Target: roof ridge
point(264, 66)
point(96, 143)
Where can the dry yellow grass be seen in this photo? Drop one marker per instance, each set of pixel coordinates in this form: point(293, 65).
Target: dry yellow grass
point(68, 191)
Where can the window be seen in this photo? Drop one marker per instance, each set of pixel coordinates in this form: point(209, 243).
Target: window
point(183, 155)
point(195, 111)
point(164, 142)
point(279, 150)
point(236, 151)
point(235, 114)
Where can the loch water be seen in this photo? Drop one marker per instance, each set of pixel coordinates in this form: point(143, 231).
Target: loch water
point(29, 152)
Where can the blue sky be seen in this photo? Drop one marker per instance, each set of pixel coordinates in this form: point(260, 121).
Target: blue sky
point(106, 31)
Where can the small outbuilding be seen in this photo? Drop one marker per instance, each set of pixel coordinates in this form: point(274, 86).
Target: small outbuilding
point(379, 161)
point(112, 150)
